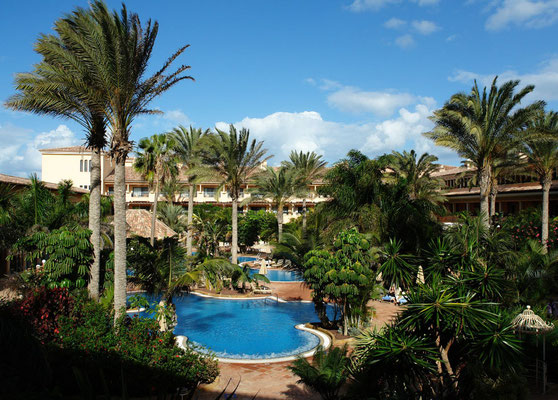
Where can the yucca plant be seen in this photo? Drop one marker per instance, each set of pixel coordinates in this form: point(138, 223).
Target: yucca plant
point(326, 373)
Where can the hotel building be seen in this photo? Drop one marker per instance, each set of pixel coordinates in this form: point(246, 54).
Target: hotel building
point(75, 162)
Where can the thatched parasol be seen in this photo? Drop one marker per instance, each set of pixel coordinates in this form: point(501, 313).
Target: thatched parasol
point(420, 276)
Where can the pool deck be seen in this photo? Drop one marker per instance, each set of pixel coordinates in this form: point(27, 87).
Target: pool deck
point(274, 380)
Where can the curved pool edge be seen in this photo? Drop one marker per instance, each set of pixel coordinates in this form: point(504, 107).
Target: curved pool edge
point(325, 342)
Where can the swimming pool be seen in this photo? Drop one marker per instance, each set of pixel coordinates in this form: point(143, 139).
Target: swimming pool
point(281, 275)
point(242, 259)
point(246, 329)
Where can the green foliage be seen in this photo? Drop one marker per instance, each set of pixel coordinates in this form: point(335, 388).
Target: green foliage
point(327, 372)
point(397, 269)
point(256, 225)
point(67, 252)
point(83, 338)
point(345, 277)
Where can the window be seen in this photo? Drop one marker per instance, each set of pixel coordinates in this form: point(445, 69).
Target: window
point(80, 165)
point(89, 165)
point(111, 190)
point(140, 191)
point(209, 192)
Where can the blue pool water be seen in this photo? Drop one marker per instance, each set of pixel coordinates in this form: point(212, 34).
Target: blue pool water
point(281, 275)
point(246, 258)
point(249, 329)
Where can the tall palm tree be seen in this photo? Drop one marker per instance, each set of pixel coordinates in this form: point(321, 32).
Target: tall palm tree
point(60, 86)
point(481, 126)
point(235, 159)
point(309, 166)
point(278, 185)
point(157, 162)
point(188, 147)
point(541, 149)
point(417, 173)
point(117, 48)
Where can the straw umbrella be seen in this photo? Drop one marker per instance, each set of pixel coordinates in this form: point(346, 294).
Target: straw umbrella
point(530, 323)
point(263, 267)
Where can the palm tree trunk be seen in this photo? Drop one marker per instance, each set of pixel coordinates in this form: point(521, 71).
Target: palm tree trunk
point(304, 216)
point(119, 237)
point(190, 219)
point(279, 222)
point(493, 194)
point(95, 223)
point(484, 193)
point(546, 183)
point(234, 246)
point(154, 215)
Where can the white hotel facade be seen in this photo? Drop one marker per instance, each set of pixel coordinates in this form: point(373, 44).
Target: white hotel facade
point(74, 163)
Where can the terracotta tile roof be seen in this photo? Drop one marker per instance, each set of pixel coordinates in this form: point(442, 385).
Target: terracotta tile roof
point(70, 149)
point(508, 188)
point(449, 170)
point(139, 223)
point(18, 181)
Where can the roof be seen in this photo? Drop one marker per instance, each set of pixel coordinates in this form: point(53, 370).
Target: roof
point(446, 170)
point(70, 149)
point(139, 223)
point(506, 188)
point(19, 181)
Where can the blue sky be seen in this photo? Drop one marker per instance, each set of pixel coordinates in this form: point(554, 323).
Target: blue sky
point(314, 75)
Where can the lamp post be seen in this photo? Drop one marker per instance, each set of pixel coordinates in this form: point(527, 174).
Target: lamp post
point(530, 323)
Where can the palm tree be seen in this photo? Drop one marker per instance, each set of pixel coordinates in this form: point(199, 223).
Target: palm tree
point(157, 162)
point(188, 147)
point(417, 174)
point(235, 159)
point(173, 216)
point(309, 167)
point(60, 86)
point(482, 126)
point(116, 49)
point(278, 185)
point(541, 149)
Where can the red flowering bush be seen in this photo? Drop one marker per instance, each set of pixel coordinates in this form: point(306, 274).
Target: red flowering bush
point(527, 226)
point(43, 307)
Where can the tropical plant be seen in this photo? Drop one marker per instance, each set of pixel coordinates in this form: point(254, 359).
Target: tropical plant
point(397, 269)
point(188, 146)
point(345, 277)
point(116, 49)
point(541, 148)
point(256, 225)
point(67, 252)
point(483, 126)
point(174, 216)
point(417, 174)
point(309, 167)
point(157, 162)
point(235, 159)
point(326, 374)
point(278, 185)
point(61, 86)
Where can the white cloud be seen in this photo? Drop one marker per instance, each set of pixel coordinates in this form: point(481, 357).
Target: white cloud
point(365, 5)
point(425, 27)
point(451, 38)
point(528, 13)
point(394, 23)
point(545, 79)
point(405, 41)
point(21, 156)
point(354, 100)
point(177, 116)
point(308, 131)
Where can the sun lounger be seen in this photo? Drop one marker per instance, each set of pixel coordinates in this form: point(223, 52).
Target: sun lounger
point(262, 290)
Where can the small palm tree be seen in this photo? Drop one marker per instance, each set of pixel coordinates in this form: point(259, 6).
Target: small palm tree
point(309, 167)
point(188, 146)
point(417, 173)
point(278, 185)
point(157, 162)
point(235, 159)
point(541, 149)
point(174, 216)
point(481, 126)
point(326, 374)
